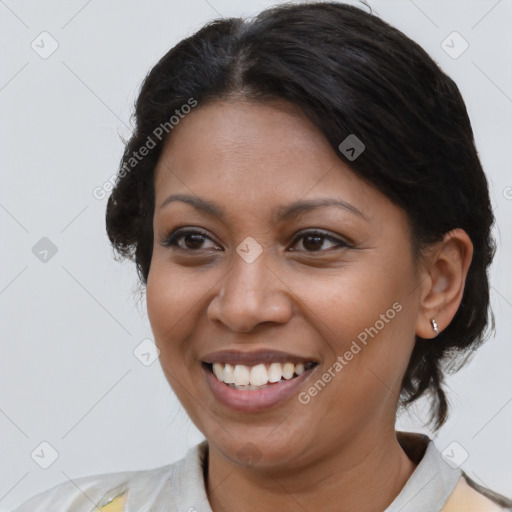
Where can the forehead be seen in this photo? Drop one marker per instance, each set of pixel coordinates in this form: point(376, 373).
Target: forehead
point(257, 153)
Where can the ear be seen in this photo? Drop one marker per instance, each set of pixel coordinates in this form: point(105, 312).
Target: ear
point(446, 266)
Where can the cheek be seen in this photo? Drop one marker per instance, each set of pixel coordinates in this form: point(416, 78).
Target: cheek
point(365, 314)
point(344, 303)
point(170, 299)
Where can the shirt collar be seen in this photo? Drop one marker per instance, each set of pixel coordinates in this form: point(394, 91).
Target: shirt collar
point(431, 483)
point(427, 489)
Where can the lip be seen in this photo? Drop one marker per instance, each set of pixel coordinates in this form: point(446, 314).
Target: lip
point(254, 357)
point(257, 400)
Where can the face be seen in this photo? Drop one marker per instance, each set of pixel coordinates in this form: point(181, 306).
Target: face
point(273, 260)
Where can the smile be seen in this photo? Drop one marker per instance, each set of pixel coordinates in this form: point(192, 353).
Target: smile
point(260, 376)
point(257, 381)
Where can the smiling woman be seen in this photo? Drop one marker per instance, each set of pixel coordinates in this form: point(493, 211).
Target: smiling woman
point(310, 264)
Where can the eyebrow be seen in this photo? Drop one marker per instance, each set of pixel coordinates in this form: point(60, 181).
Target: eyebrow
point(282, 213)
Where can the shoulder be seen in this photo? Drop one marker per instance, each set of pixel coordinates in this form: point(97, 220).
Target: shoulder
point(438, 484)
point(106, 492)
point(170, 487)
point(468, 496)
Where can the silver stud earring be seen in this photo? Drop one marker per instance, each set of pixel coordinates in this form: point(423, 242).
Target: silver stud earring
point(434, 325)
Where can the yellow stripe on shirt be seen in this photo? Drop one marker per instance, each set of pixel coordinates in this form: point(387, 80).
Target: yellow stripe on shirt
point(116, 505)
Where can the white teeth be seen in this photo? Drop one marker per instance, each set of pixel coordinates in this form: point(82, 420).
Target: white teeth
point(241, 375)
point(259, 375)
point(218, 370)
point(228, 374)
point(288, 370)
point(275, 372)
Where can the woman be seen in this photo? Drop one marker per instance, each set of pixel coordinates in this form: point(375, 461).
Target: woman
point(305, 205)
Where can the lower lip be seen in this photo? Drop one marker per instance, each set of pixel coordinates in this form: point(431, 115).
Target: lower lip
point(255, 400)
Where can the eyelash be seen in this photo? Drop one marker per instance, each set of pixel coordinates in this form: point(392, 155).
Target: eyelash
point(171, 240)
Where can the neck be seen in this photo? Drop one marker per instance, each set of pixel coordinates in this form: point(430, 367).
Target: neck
point(364, 476)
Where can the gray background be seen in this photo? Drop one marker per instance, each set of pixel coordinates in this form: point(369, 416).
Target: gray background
point(70, 323)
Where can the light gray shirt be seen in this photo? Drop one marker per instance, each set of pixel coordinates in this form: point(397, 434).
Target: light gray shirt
point(179, 487)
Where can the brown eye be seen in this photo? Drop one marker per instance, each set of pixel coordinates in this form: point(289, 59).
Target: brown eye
point(313, 241)
point(193, 241)
point(188, 240)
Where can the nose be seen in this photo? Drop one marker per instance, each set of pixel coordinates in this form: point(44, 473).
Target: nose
point(251, 294)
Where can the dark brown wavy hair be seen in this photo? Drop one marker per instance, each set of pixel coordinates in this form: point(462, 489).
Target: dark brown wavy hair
point(350, 73)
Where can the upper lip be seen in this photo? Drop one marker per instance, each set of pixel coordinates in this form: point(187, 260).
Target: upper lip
point(254, 357)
